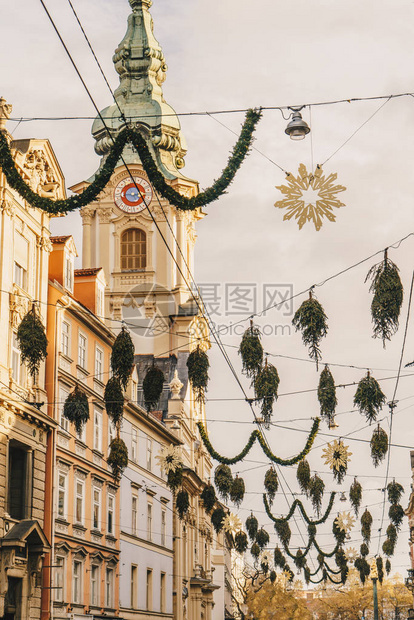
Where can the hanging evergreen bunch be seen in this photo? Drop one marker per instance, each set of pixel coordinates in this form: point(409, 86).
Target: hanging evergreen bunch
point(379, 445)
point(316, 490)
point(364, 550)
point(388, 297)
point(208, 497)
point(366, 523)
point(311, 320)
point(255, 550)
point(76, 408)
point(237, 490)
point(262, 538)
point(114, 399)
point(223, 480)
point(217, 519)
point(182, 503)
point(321, 559)
point(303, 476)
point(264, 565)
point(299, 560)
point(252, 526)
point(241, 542)
point(363, 568)
point(153, 386)
point(271, 484)
point(122, 357)
point(279, 558)
point(312, 530)
point(338, 533)
point(396, 515)
point(251, 351)
point(175, 478)
point(344, 574)
point(266, 384)
point(31, 336)
point(340, 558)
point(380, 569)
point(388, 547)
point(387, 566)
point(118, 457)
point(272, 576)
point(395, 491)
point(307, 575)
point(392, 533)
point(369, 397)
point(198, 365)
point(355, 495)
point(282, 529)
point(156, 178)
point(327, 394)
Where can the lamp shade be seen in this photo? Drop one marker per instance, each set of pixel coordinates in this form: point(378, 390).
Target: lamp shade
point(297, 128)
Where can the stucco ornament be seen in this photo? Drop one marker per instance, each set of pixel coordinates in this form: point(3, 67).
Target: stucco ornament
point(336, 455)
point(169, 459)
point(232, 524)
point(309, 197)
point(345, 521)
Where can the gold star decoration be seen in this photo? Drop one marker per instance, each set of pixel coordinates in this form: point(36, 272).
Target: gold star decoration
point(336, 455)
point(345, 521)
point(310, 197)
point(232, 524)
point(351, 554)
point(169, 459)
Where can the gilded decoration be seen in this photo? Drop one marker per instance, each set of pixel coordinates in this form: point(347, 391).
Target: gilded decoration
point(310, 197)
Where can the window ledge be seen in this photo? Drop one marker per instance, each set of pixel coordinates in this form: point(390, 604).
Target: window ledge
point(83, 370)
point(65, 357)
point(79, 526)
point(96, 532)
point(111, 537)
point(62, 520)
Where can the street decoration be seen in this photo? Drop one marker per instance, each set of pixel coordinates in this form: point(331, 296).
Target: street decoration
point(223, 480)
point(366, 523)
point(251, 351)
point(336, 455)
point(31, 337)
point(369, 398)
point(182, 503)
point(217, 519)
point(198, 365)
point(76, 408)
point(122, 357)
point(266, 383)
point(118, 457)
point(379, 445)
point(241, 542)
point(237, 491)
point(315, 492)
point(310, 197)
point(232, 524)
point(327, 395)
point(345, 521)
point(303, 476)
point(311, 320)
point(114, 400)
point(252, 525)
point(355, 495)
point(169, 459)
point(156, 178)
point(208, 497)
point(152, 386)
point(271, 483)
point(351, 554)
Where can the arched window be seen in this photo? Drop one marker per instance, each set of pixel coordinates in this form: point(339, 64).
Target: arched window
point(133, 249)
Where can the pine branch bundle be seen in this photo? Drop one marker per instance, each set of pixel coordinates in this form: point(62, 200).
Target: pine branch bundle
point(223, 480)
point(182, 503)
point(311, 320)
point(241, 542)
point(279, 558)
point(380, 569)
point(379, 445)
point(252, 526)
point(266, 384)
point(198, 365)
point(31, 336)
point(282, 529)
point(396, 515)
point(262, 538)
point(114, 399)
point(217, 519)
point(153, 386)
point(366, 523)
point(316, 490)
point(299, 560)
point(303, 476)
point(364, 550)
point(369, 398)
point(388, 547)
point(271, 484)
point(272, 576)
point(338, 533)
point(175, 478)
point(395, 491)
point(387, 566)
point(118, 457)
point(255, 550)
point(122, 357)
point(355, 495)
point(312, 530)
point(208, 497)
point(76, 408)
point(327, 394)
point(363, 568)
point(388, 297)
point(392, 533)
point(251, 351)
point(237, 490)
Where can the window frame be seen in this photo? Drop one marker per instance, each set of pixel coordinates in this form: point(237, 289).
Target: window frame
point(133, 252)
point(99, 363)
point(82, 358)
point(96, 523)
point(149, 521)
point(65, 338)
point(94, 586)
point(79, 590)
point(110, 522)
point(59, 578)
point(134, 444)
point(134, 515)
point(64, 490)
point(109, 587)
point(79, 484)
point(97, 429)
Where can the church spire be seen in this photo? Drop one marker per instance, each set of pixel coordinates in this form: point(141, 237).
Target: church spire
point(141, 65)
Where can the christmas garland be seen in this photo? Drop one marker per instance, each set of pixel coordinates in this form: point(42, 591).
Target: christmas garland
point(295, 504)
point(156, 178)
point(258, 435)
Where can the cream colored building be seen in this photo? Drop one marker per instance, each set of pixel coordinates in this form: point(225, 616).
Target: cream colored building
point(26, 430)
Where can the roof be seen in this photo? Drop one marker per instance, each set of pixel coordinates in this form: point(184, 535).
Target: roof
point(26, 531)
point(60, 239)
point(92, 271)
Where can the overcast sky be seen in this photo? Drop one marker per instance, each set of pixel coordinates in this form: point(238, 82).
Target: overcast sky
point(233, 55)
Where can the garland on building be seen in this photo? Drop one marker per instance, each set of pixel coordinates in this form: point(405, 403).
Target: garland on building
point(198, 365)
point(327, 395)
point(156, 178)
point(311, 320)
point(122, 357)
point(114, 400)
point(256, 434)
point(251, 351)
point(388, 297)
point(355, 495)
point(118, 457)
point(31, 336)
point(153, 386)
point(379, 445)
point(76, 408)
point(175, 478)
point(266, 383)
point(369, 397)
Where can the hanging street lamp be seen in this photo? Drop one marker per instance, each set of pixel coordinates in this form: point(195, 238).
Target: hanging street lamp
point(297, 128)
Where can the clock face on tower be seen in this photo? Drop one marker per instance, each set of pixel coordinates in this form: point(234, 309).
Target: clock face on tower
point(128, 198)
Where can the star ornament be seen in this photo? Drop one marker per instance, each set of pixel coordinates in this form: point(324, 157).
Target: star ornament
point(345, 521)
point(232, 524)
point(169, 459)
point(310, 197)
point(351, 554)
point(336, 455)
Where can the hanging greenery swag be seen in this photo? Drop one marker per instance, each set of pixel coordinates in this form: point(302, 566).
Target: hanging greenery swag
point(251, 351)
point(122, 357)
point(152, 386)
point(266, 383)
point(198, 365)
point(114, 399)
point(311, 320)
point(379, 445)
point(369, 398)
point(298, 504)
point(355, 495)
point(327, 394)
point(156, 178)
point(271, 483)
point(76, 408)
point(258, 435)
point(31, 336)
point(118, 457)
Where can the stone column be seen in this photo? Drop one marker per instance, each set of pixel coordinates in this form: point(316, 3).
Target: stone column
point(180, 244)
point(86, 215)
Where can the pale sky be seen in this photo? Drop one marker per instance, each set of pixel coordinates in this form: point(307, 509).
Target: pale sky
point(233, 55)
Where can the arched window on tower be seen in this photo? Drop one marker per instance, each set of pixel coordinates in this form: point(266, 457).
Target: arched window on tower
point(133, 249)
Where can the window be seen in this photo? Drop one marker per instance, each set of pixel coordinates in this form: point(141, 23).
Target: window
point(134, 515)
point(133, 249)
point(20, 276)
point(149, 453)
point(82, 351)
point(111, 432)
point(81, 435)
point(95, 585)
point(79, 501)
point(19, 477)
point(99, 356)
point(134, 444)
point(149, 521)
point(149, 590)
point(77, 581)
point(69, 265)
point(96, 508)
point(63, 422)
point(97, 430)
point(162, 592)
point(59, 579)
point(17, 368)
point(65, 347)
point(134, 391)
point(111, 514)
point(134, 586)
point(100, 302)
point(62, 495)
point(109, 587)
point(163, 527)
